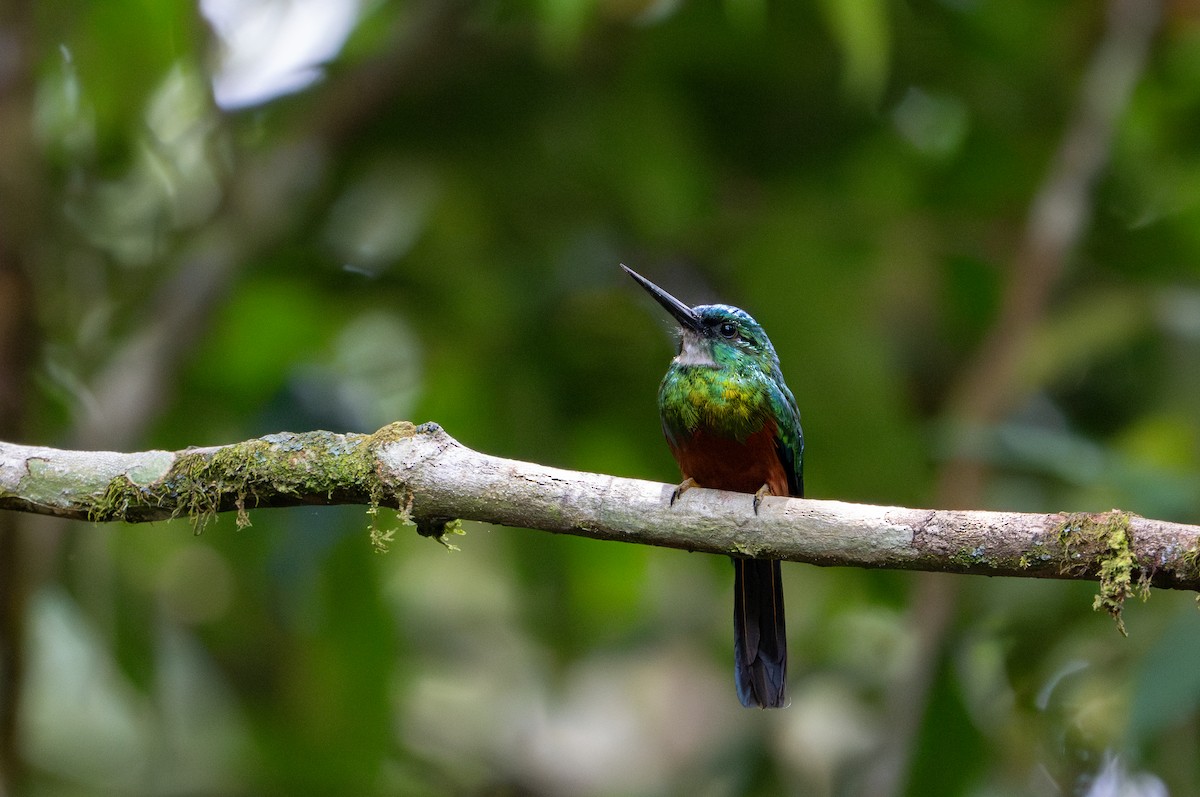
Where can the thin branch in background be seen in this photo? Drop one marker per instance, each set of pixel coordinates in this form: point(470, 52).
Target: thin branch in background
point(990, 385)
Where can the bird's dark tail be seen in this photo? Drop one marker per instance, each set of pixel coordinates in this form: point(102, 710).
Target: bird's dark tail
point(759, 634)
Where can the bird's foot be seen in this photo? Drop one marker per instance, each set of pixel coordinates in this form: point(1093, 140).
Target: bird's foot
point(683, 487)
point(762, 493)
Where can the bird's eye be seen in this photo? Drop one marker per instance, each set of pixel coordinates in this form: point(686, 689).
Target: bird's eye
point(728, 330)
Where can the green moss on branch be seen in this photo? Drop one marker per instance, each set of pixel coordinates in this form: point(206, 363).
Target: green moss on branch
point(1104, 542)
point(321, 467)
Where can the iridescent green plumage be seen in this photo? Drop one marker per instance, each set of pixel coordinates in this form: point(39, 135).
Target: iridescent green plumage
point(732, 424)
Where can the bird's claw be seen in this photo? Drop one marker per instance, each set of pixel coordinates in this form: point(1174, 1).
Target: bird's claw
point(762, 493)
point(683, 487)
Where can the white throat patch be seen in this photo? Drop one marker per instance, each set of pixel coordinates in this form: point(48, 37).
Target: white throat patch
point(694, 350)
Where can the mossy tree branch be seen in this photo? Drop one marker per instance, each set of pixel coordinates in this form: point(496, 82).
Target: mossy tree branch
point(431, 479)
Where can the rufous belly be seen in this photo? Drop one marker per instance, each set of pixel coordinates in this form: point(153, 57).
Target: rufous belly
point(725, 463)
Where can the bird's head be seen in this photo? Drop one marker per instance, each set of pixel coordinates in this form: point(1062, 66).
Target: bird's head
point(715, 335)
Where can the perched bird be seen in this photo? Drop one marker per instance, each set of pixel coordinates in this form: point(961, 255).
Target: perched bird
point(732, 424)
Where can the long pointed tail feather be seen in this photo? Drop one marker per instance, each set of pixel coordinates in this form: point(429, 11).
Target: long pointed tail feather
point(759, 633)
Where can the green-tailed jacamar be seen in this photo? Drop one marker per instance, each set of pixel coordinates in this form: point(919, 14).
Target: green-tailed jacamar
point(732, 424)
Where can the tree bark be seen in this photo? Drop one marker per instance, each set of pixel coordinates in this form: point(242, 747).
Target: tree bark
point(432, 479)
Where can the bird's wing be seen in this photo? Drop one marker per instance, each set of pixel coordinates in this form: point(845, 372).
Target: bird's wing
point(789, 437)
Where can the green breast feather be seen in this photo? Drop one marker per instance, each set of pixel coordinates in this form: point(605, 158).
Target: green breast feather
point(722, 400)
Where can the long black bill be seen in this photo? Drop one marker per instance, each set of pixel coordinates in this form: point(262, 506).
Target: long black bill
point(685, 315)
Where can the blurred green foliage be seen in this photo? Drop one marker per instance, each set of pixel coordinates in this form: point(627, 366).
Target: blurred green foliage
point(425, 222)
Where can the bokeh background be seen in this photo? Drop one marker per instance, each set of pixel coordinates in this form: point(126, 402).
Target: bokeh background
point(971, 227)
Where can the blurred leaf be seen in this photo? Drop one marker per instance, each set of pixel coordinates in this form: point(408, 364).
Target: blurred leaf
point(861, 29)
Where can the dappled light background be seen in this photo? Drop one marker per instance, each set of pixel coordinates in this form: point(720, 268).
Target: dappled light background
point(970, 228)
